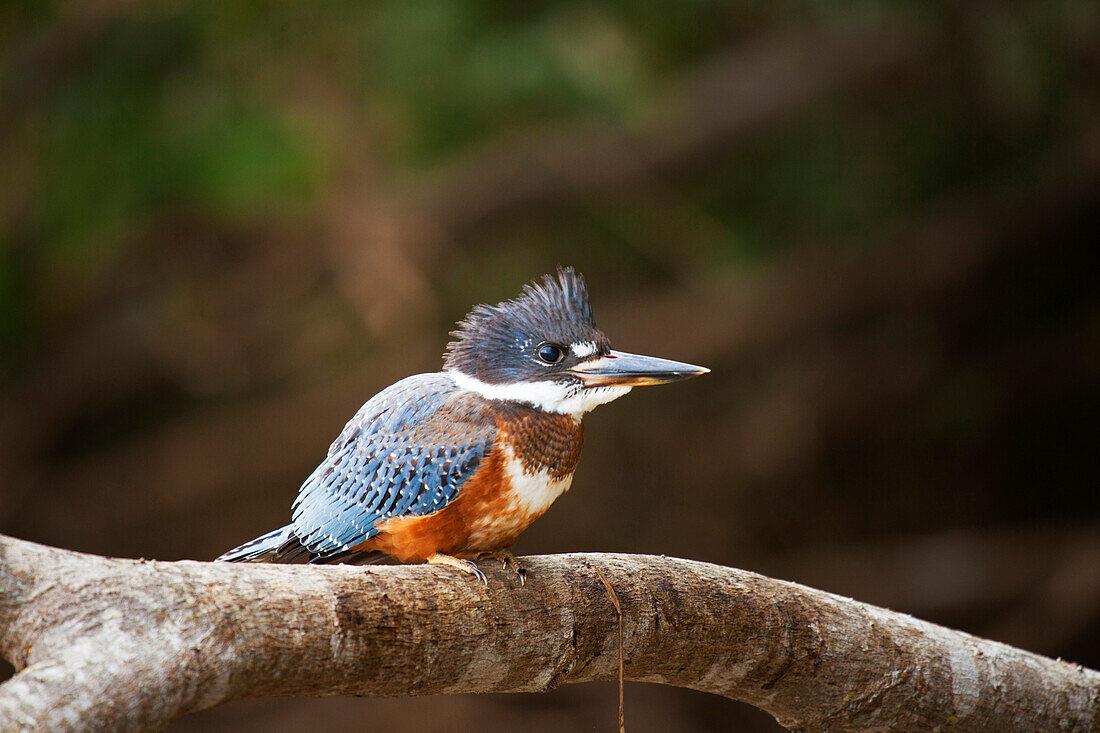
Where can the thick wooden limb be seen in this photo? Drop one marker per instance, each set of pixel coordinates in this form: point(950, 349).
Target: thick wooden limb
point(126, 644)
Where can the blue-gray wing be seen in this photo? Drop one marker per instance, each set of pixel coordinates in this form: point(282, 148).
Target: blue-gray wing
point(407, 451)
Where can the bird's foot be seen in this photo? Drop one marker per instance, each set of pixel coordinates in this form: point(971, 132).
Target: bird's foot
point(508, 560)
point(465, 566)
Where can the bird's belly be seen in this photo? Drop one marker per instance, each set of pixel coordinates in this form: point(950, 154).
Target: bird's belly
point(524, 497)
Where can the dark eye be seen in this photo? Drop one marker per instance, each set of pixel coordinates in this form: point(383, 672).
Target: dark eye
point(550, 354)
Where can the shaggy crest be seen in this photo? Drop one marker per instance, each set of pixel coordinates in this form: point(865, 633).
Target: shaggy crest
point(497, 343)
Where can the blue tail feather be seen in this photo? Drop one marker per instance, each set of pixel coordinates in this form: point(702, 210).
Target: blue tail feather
point(284, 546)
point(262, 549)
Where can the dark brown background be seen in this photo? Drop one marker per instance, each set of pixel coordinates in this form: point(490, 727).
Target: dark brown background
point(223, 226)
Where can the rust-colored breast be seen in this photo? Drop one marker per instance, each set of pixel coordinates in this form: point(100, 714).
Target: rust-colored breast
point(531, 463)
point(544, 441)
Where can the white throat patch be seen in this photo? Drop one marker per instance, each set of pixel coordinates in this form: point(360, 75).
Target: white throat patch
point(564, 399)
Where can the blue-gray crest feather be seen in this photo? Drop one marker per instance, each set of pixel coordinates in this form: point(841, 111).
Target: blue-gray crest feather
point(497, 343)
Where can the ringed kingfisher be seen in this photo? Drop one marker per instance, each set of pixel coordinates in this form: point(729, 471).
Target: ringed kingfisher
point(450, 466)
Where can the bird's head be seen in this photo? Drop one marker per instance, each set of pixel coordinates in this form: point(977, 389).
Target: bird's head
point(544, 349)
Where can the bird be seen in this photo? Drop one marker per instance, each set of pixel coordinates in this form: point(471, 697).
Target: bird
point(449, 467)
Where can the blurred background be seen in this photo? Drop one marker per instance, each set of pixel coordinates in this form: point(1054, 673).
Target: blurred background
point(225, 225)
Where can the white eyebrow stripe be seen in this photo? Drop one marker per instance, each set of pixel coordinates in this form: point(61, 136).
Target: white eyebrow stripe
point(583, 349)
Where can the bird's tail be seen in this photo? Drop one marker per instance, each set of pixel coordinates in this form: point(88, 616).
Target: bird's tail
point(282, 545)
point(271, 547)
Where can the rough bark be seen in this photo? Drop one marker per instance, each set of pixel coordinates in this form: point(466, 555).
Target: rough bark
point(133, 644)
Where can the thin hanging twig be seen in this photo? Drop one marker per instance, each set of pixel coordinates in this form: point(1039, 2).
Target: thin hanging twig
point(619, 610)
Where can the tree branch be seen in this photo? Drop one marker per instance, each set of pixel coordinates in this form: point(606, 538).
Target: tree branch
point(133, 644)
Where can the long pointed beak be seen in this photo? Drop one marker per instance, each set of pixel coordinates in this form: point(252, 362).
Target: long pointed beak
point(633, 370)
